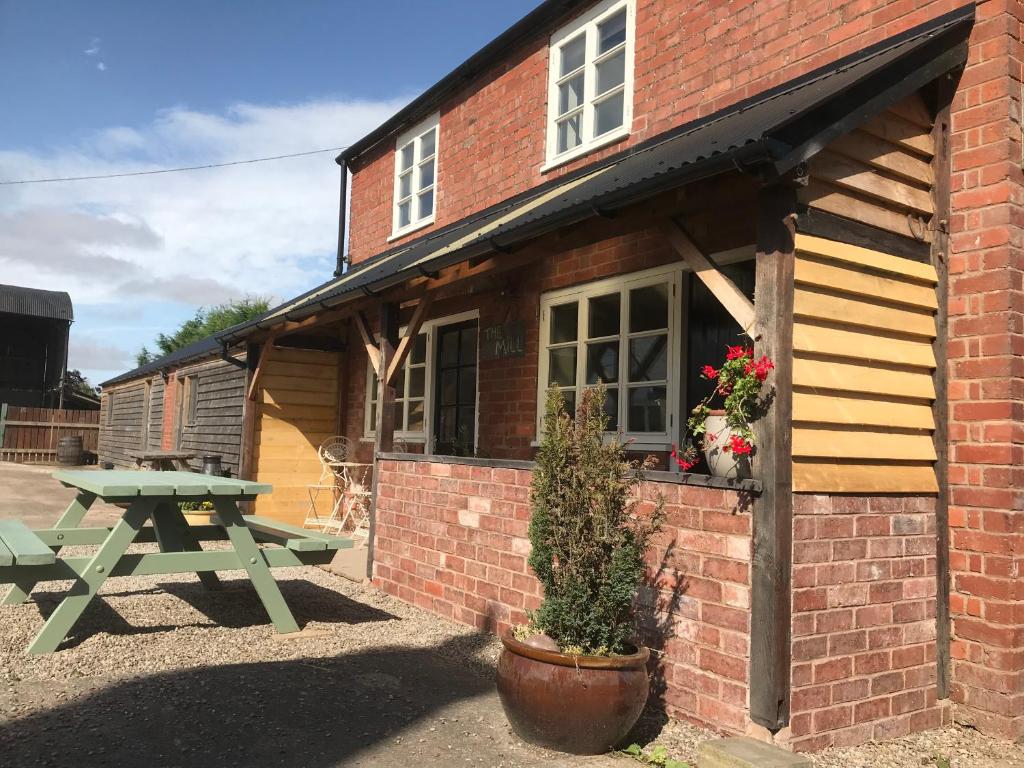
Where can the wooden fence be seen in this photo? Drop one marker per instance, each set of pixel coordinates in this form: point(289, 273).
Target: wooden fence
point(31, 434)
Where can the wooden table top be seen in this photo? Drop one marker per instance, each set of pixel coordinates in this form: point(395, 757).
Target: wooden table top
point(122, 483)
point(153, 455)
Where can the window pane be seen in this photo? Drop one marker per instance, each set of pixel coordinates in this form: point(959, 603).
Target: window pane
point(426, 204)
point(647, 409)
point(569, 398)
point(467, 385)
point(426, 174)
point(400, 384)
point(418, 354)
point(573, 54)
point(403, 214)
point(399, 410)
point(569, 133)
point(406, 157)
point(373, 387)
point(611, 408)
point(449, 387)
point(648, 358)
point(603, 362)
point(417, 377)
point(467, 353)
point(373, 416)
point(570, 94)
point(611, 72)
point(415, 416)
point(648, 308)
point(448, 345)
point(604, 316)
point(562, 367)
point(428, 142)
point(405, 185)
point(611, 32)
point(563, 323)
point(608, 114)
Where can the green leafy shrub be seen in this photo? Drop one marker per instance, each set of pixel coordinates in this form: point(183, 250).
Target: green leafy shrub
point(588, 541)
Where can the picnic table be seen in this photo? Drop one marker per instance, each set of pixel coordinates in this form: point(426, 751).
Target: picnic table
point(163, 460)
point(30, 556)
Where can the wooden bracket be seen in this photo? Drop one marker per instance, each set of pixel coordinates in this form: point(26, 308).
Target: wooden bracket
point(372, 349)
point(407, 340)
point(254, 383)
point(732, 298)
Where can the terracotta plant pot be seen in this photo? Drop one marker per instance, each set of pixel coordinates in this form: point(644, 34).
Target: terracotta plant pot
point(720, 463)
point(583, 705)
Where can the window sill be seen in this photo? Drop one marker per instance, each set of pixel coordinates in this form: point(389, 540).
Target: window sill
point(398, 235)
point(584, 149)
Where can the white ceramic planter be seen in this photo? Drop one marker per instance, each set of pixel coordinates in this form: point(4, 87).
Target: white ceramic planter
point(721, 463)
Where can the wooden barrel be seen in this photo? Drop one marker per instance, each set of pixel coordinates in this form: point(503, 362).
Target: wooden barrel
point(69, 451)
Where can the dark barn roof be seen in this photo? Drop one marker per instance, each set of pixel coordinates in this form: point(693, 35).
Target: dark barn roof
point(196, 350)
point(771, 133)
point(35, 302)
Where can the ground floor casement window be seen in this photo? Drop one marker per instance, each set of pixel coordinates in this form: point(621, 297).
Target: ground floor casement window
point(626, 333)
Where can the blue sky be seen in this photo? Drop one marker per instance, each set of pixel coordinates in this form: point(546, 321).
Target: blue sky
point(108, 87)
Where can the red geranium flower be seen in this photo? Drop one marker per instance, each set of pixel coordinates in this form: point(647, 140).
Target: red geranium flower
point(709, 372)
point(735, 353)
point(738, 446)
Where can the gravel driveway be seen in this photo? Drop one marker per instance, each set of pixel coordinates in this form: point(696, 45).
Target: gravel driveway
point(160, 672)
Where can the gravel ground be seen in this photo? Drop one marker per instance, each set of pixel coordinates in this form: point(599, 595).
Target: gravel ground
point(162, 672)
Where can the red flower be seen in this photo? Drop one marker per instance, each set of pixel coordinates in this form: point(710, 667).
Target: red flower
point(708, 372)
point(735, 353)
point(738, 446)
point(685, 465)
point(761, 368)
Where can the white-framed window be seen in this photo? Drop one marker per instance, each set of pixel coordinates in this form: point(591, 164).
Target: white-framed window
point(416, 386)
point(415, 177)
point(590, 81)
point(626, 333)
point(410, 394)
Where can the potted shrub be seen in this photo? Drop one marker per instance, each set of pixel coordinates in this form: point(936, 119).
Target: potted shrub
point(572, 679)
point(725, 434)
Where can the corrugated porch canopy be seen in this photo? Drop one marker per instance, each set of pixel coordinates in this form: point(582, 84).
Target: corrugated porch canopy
point(770, 134)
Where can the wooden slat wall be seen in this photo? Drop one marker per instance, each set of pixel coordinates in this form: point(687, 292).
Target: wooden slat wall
point(863, 327)
point(220, 399)
point(156, 414)
point(121, 429)
point(36, 438)
point(880, 174)
point(298, 402)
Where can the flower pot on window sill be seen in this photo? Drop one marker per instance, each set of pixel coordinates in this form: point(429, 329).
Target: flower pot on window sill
point(722, 463)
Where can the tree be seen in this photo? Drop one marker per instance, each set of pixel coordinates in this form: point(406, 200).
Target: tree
point(207, 321)
point(76, 382)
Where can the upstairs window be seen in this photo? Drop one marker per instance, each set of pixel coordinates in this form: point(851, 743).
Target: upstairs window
point(415, 177)
point(590, 76)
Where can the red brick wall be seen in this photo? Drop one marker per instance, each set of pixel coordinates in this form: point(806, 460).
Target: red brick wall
point(451, 538)
point(170, 424)
point(863, 643)
point(986, 379)
point(691, 59)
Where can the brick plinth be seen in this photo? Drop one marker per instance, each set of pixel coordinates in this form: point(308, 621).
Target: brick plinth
point(451, 538)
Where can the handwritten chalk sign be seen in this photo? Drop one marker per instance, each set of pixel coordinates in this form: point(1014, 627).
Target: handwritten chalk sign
point(502, 341)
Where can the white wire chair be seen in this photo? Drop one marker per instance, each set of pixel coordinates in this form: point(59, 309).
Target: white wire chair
point(343, 482)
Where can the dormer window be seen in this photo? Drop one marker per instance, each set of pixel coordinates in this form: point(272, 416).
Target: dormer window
point(415, 177)
point(590, 77)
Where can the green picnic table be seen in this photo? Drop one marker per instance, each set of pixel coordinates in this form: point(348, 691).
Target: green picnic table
point(30, 556)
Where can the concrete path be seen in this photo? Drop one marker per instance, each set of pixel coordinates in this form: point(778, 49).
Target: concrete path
point(27, 492)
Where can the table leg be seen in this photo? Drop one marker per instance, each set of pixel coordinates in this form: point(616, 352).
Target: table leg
point(20, 590)
point(100, 566)
point(255, 565)
point(173, 535)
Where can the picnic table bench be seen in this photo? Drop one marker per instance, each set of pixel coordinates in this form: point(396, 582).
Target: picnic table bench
point(163, 460)
point(30, 556)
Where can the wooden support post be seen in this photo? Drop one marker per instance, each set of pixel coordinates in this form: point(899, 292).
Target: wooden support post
point(411, 331)
point(372, 350)
point(945, 89)
point(344, 334)
point(254, 383)
point(771, 592)
point(384, 439)
point(250, 416)
point(721, 287)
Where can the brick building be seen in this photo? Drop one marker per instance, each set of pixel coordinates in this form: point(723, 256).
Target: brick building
point(617, 190)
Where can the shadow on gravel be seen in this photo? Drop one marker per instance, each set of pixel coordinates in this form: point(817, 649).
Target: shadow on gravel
point(303, 713)
point(236, 605)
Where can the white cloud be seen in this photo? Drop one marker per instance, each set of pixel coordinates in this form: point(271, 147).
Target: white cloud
point(94, 47)
point(101, 66)
point(194, 238)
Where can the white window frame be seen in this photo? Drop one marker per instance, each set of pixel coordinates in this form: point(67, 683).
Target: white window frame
point(426, 436)
point(587, 24)
point(671, 275)
point(415, 136)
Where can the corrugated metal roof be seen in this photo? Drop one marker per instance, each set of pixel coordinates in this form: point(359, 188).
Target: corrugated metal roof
point(772, 127)
point(35, 302)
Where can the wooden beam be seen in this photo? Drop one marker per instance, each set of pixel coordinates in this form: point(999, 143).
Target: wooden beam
point(254, 383)
point(721, 287)
point(945, 89)
point(411, 331)
point(771, 581)
point(384, 437)
point(372, 350)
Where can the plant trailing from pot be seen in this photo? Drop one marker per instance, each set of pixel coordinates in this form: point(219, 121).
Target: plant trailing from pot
point(738, 383)
point(572, 680)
